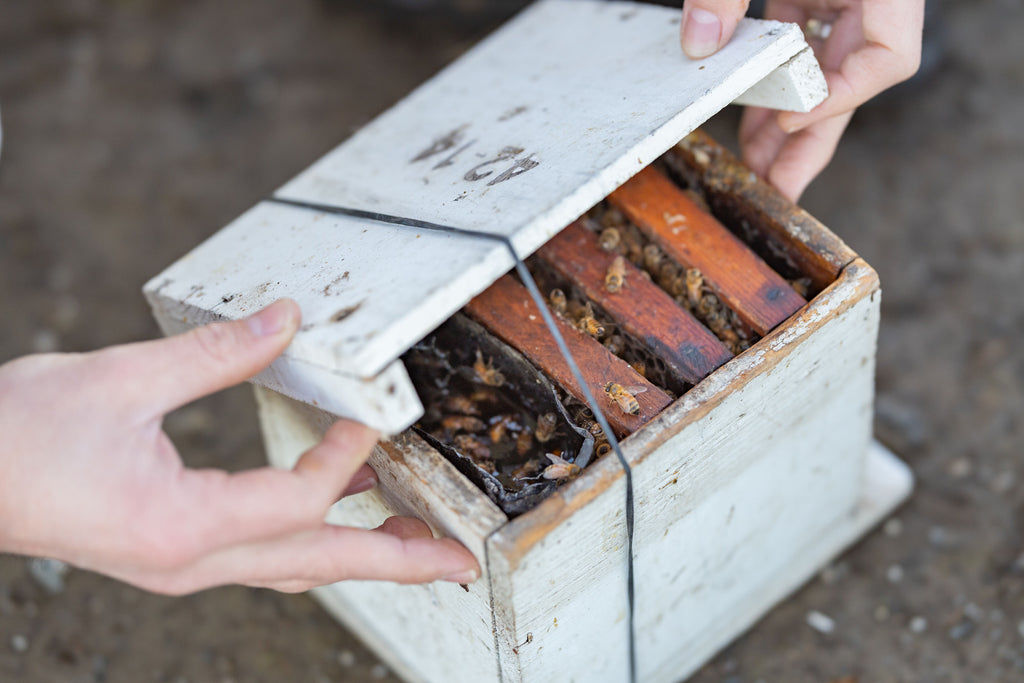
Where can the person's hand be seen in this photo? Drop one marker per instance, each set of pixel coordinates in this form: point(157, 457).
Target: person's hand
point(870, 45)
point(88, 476)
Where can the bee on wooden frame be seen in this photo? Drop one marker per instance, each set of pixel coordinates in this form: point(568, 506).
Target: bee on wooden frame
point(590, 325)
point(624, 397)
point(616, 275)
point(559, 468)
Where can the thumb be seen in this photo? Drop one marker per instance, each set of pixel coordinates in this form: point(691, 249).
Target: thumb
point(174, 371)
point(709, 24)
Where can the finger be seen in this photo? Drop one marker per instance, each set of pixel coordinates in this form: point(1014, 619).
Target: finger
point(168, 373)
point(405, 527)
point(220, 509)
point(707, 25)
point(326, 555)
point(760, 138)
point(891, 53)
point(805, 154)
point(363, 480)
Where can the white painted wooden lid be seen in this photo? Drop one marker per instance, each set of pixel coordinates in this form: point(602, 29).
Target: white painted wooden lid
point(519, 137)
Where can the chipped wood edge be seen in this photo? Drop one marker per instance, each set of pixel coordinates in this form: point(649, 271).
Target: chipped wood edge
point(798, 85)
point(856, 282)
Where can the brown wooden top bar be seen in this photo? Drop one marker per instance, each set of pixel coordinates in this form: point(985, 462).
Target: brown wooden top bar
point(751, 204)
point(507, 311)
point(641, 309)
point(739, 277)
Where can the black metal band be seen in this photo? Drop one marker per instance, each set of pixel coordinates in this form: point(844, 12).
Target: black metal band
point(549, 320)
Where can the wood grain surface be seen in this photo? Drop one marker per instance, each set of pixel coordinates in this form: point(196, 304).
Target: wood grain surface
point(693, 237)
point(640, 309)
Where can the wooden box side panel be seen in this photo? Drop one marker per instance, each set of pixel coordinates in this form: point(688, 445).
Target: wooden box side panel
point(731, 508)
point(432, 632)
point(724, 503)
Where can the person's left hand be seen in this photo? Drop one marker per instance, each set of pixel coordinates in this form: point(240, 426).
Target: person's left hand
point(88, 476)
point(870, 45)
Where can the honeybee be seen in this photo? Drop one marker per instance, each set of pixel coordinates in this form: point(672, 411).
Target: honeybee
point(640, 367)
point(612, 217)
point(528, 469)
point(623, 398)
point(559, 468)
point(547, 425)
point(694, 285)
point(652, 257)
point(603, 449)
point(462, 423)
point(708, 304)
point(609, 240)
point(461, 405)
point(589, 325)
point(593, 427)
point(802, 285)
point(616, 344)
point(558, 302)
point(467, 444)
point(486, 373)
point(499, 426)
point(524, 442)
point(667, 275)
point(616, 275)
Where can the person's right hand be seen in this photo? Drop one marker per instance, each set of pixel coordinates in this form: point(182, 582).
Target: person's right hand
point(88, 476)
point(872, 45)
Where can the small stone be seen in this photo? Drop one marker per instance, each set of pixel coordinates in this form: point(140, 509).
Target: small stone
point(1020, 629)
point(973, 612)
point(893, 527)
point(346, 659)
point(894, 573)
point(821, 623)
point(959, 468)
point(48, 573)
point(832, 574)
point(939, 537)
point(19, 643)
point(918, 625)
point(961, 629)
point(1003, 482)
point(882, 613)
point(379, 671)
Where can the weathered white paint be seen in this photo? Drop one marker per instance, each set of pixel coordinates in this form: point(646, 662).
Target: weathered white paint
point(797, 85)
point(518, 137)
point(744, 488)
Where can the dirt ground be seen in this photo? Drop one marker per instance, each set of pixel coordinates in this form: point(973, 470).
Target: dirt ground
point(135, 128)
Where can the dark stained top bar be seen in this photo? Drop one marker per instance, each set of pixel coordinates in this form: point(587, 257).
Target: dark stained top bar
point(640, 309)
point(694, 238)
point(507, 311)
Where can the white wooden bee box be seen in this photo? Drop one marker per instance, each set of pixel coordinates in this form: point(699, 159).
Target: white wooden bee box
point(744, 486)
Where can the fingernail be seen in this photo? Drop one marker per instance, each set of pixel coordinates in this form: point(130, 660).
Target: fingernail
point(701, 33)
point(468, 576)
point(271, 320)
point(361, 483)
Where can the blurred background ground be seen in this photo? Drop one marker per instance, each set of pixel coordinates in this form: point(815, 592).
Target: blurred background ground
point(135, 128)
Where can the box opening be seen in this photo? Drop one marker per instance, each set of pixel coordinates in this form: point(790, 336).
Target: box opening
point(633, 298)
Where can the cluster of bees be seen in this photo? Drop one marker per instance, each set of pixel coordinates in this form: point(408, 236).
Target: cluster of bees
point(516, 447)
point(685, 285)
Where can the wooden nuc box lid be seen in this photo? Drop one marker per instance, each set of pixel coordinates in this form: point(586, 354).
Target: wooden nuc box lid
point(519, 137)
